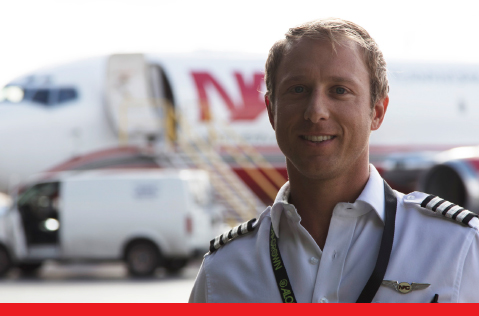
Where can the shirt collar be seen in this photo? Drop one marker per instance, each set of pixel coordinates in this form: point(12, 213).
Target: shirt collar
point(372, 195)
point(280, 204)
point(373, 192)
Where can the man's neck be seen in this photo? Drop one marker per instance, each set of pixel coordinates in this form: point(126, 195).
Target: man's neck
point(315, 199)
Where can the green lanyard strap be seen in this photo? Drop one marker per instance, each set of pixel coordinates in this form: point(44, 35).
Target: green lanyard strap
point(284, 286)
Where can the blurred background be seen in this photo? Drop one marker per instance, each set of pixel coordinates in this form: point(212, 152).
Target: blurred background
point(133, 132)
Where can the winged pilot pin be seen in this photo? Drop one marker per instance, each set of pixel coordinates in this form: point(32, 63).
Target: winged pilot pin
point(405, 287)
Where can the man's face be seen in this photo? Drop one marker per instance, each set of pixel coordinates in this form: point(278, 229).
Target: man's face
point(322, 110)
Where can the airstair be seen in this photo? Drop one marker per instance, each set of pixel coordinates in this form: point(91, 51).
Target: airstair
point(180, 146)
point(240, 202)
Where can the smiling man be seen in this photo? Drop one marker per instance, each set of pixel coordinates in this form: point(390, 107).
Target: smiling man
point(336, 231)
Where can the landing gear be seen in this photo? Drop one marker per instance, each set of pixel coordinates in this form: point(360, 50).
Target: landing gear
point(5, 261)
point(29, 268)
point(173, 266)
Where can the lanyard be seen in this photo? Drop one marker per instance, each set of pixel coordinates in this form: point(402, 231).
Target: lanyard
point(376, 278)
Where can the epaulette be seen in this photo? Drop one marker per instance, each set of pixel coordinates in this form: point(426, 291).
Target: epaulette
point(450, 210)
point(225, 238)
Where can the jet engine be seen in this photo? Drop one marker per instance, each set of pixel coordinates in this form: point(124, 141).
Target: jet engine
point(455, 177)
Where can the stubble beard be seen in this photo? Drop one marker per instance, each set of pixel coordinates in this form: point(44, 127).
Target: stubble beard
point(331, 170)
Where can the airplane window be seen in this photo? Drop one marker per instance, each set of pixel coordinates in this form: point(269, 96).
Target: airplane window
point(41, 96)
point(67, 94)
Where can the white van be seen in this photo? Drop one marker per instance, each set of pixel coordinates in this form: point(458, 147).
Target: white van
point(148, 218)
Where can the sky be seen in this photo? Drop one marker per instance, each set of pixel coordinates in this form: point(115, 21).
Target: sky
point(35, 34)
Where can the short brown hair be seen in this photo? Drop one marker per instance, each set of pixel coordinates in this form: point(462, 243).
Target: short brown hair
point(334, 30)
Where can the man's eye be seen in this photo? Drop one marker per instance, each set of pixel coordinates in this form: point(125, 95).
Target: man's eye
point(298, 89)
point(340, 90)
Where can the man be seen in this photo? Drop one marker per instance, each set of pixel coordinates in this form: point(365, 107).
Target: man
point(336, 232)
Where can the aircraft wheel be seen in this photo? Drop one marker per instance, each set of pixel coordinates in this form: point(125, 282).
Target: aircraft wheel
point(173, 266)
point(29, 268)
point(5, 261)
point(142, 259)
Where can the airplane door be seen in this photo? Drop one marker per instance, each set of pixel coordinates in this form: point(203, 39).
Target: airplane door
point(133, 111)
point(164, 103)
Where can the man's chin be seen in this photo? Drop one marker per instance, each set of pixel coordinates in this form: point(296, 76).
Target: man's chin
point(320, 172)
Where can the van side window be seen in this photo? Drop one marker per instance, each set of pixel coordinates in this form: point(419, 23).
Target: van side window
point(38, 208)
point(40, 196)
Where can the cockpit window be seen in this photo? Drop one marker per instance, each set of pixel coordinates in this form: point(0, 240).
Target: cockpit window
point(66, 94)
point(43, 96)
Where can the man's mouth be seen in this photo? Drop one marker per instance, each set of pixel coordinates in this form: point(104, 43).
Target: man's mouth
point(317, 139)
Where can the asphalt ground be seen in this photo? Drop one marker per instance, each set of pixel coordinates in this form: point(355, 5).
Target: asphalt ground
point(96, 283)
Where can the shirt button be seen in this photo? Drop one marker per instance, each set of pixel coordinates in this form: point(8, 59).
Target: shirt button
point(288, 213)
point(323, 300)
point(410, 197)
point(313, 260)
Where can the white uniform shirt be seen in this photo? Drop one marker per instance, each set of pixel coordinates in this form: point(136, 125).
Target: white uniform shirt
point(427, 248)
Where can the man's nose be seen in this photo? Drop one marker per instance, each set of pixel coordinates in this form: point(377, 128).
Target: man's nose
point(317, 108)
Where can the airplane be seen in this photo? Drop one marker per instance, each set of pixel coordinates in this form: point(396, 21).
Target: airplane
point(129, 110)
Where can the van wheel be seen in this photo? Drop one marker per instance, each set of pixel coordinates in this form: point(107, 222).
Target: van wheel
point(173, 266)
point(5, 261)
point(142, 259)
point(29, 268)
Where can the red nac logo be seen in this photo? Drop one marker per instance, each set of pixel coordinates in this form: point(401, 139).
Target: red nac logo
point(249, 108)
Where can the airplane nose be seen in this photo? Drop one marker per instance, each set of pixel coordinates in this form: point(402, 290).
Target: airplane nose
point(19, 138)
point(15, 113)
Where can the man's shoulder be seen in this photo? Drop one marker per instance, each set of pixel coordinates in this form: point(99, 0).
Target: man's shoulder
point(436, 243)
point(240, 268)
point(241, 239)
point(431, 212)
point(234, 233)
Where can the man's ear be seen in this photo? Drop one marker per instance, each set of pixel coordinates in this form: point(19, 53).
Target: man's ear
point(379, 111)
point(269, 107)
